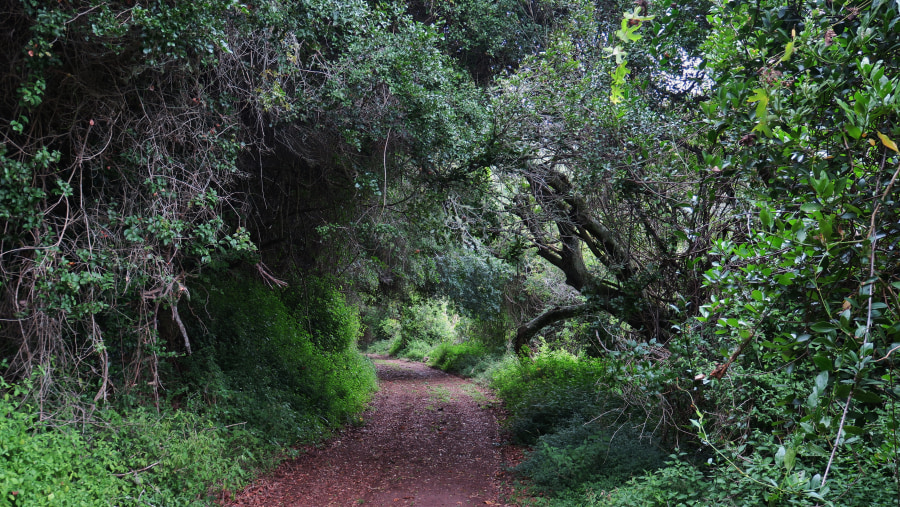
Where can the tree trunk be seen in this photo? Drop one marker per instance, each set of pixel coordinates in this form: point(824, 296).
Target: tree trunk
point(527, 331)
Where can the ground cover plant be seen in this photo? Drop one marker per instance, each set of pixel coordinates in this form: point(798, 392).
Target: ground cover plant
point(256, 384)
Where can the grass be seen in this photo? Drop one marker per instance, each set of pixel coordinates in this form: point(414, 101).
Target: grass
point(477, 396)
point(440, 394)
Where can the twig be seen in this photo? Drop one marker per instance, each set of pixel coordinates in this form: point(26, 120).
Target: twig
point(888, 354)
point(177, 318)
point(384, 162)
point(135, 472)
point(268, 277)
point(837, 439)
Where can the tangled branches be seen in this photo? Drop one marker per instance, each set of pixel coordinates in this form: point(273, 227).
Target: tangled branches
point(119, 174)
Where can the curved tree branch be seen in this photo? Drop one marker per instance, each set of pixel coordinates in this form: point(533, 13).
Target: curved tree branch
point(527, 331)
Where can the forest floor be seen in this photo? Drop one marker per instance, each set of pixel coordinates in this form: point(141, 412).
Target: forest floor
point(428, 439)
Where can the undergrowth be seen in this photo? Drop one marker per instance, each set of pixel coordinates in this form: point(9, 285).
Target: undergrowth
point(590, 447)
point(269, 370)
point(44, 465)
point(300, 381)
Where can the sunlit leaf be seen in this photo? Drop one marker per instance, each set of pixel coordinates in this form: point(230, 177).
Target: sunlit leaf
point(885, 140)
point(788, 51)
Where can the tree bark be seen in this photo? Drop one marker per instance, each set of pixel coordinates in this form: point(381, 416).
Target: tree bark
point(527, 331)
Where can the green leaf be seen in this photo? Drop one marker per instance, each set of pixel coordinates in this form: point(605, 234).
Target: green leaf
point(822, 381)
point(790, 459)
point(842, 390)
point(826, 227)
point(853, 430)
point(788, 51)
point(824, 363)
point(866, 396)
point(815, 450)
point(811, 207)
point(812, 401)
point(766, 218)
point(854, 131)
point(786, 279)
point(822, 327)
point(762, 99)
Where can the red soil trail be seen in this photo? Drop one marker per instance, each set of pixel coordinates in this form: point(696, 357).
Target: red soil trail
point(428, 439)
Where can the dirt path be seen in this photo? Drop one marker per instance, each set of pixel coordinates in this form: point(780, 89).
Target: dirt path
point(429, 439)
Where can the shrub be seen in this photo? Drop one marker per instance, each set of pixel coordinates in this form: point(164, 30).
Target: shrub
point(256, 383)
point(323, 313)
point(382, 347)
point(546, 392)
point(44, 465)
point(492, 333)
point(417, 350)
point(583, 432)
point(380, 323)
point(389, 329)
point(582, 453)
point(179, 457)
point(427, 322)
point(422, 326)
point(467, 358)
point(256, 365)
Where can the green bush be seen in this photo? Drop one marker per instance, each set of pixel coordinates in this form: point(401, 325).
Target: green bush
point(417, 350)
point(256, 365)
point(382, 347)
point(45, 465)
point(136, 457)
point(323, 313)
point(421, 327)
point(389, 329)
point(546, 392)
point(682, 482)
point(492, 333)
point(427, 322)
point(584, 434)
point(379, 322)
point(256, 383)
point(467, 358)
point(179, 457)
point(679, 483)
point(589, 453)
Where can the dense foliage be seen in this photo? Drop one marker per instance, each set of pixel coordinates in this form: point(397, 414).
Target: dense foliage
point(666, 233)
point(258, 382)
point(731, 236)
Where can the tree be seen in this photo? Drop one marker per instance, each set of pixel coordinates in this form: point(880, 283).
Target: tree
point(117, 158)
point(607, 195)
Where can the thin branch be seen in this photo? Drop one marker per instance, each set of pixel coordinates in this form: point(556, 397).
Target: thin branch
point(139, 470)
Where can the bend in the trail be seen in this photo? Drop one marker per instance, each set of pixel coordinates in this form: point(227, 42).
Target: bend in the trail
point(428, 439)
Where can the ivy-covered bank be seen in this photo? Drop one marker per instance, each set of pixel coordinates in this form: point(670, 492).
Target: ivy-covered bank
point(269, 370)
